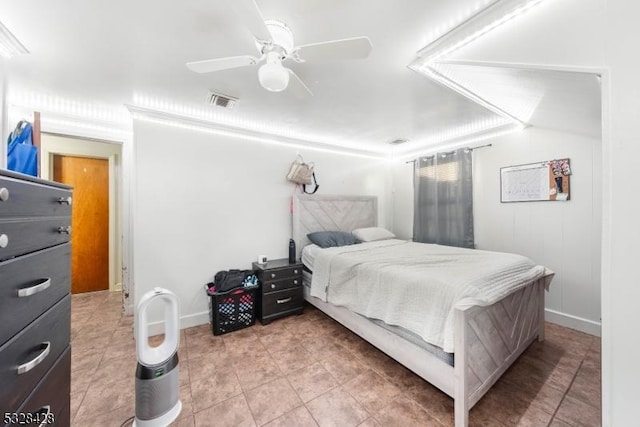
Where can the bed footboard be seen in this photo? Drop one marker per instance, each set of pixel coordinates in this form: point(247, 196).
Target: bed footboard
point(489, 339)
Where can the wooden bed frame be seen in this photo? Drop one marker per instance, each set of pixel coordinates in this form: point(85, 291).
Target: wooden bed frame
point(487, 339)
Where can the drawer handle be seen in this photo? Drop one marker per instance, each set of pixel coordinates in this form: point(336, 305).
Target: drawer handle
point(46, 415)
point(273, 286)
point(295, 282)
point(4, 240)
point(273, 275)
point(4, 194)
point(26, 292)
point(295, 271)
point(65, 230)
point(63, 200)
point(26, 367)
point(283, 301)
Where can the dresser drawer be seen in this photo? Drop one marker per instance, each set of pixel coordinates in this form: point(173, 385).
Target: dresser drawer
point(281, 302)
point(281, 273)
point(29, 235)
point(30, 285)
point(28, 199)
point(28, 356)
point(50, 401)
point(280, 285)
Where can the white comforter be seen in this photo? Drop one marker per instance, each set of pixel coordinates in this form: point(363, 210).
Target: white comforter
point(417, 285)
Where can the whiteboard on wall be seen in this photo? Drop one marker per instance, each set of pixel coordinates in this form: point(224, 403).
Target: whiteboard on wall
point(543, 181)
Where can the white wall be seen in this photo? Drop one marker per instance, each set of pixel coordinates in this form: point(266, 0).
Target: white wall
point(621, 293)
point(564, 237)
point(223, 203)
point(402, 197)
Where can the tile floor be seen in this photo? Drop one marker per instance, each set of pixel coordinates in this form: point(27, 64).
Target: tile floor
point(310, 371)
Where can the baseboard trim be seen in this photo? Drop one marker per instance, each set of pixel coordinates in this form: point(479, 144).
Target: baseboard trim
point(567, 320)
point(574, 322)
point(196, 319)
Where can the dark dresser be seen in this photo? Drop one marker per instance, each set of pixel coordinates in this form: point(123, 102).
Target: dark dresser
point(35, 304)
point(280, 289)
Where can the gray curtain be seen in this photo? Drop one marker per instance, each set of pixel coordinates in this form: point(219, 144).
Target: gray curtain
point(443, 198)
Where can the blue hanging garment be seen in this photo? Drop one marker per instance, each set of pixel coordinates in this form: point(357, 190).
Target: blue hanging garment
point(22, 155)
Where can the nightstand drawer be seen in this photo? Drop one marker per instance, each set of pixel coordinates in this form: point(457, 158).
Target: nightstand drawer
point(280, 289)
point(19, 237)
point(280, 285)
point(28, 356)
point(28, 199)
point(281, 273)
point(30, 285)
point(276, 303)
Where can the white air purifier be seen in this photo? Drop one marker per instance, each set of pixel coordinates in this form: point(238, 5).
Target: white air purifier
point(157, 384)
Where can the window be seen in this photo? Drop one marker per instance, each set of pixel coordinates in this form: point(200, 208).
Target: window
point(443, 211)
point(442, 173)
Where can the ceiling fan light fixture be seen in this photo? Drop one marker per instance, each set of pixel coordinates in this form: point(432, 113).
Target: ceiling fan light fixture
point(273, 76)
point(274, 41)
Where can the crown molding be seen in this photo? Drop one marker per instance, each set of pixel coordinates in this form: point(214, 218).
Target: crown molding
point(177, 120)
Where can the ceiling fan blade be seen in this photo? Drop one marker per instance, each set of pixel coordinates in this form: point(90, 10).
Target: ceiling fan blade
point(297, 86)
point(211, 65)
point(355, 48)
point(250, 15)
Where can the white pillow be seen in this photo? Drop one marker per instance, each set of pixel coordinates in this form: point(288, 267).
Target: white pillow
point(370, 234)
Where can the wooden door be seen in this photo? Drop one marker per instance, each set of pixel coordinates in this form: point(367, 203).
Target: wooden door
point(90, 220)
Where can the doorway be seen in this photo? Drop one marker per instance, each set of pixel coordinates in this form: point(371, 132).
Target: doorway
point(89, 178)
point(96, 156)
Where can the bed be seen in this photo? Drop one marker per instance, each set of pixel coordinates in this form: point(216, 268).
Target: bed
point(487, 339)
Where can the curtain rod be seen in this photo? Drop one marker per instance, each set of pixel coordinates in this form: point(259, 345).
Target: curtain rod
point(448, 152)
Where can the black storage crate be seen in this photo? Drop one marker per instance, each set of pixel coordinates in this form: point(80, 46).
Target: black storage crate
point(232, 310)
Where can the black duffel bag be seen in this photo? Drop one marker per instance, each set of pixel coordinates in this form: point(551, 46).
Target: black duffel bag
point(226, 280)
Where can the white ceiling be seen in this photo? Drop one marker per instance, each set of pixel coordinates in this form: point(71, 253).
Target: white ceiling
point(558, 100)
point(121, 52)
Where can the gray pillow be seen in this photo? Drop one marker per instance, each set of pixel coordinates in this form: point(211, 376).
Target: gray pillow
point(329, 239)
point(370, 234)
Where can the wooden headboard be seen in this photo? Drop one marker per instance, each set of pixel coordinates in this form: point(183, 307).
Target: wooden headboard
point(331, 213)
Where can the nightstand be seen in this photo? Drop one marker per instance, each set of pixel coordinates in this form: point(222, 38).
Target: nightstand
point(280, 291)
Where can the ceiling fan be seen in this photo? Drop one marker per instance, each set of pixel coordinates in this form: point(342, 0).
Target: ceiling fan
point(274, 41)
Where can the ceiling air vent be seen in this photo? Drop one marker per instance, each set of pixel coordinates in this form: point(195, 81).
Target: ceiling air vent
point(398, 141)
point(220, 100)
